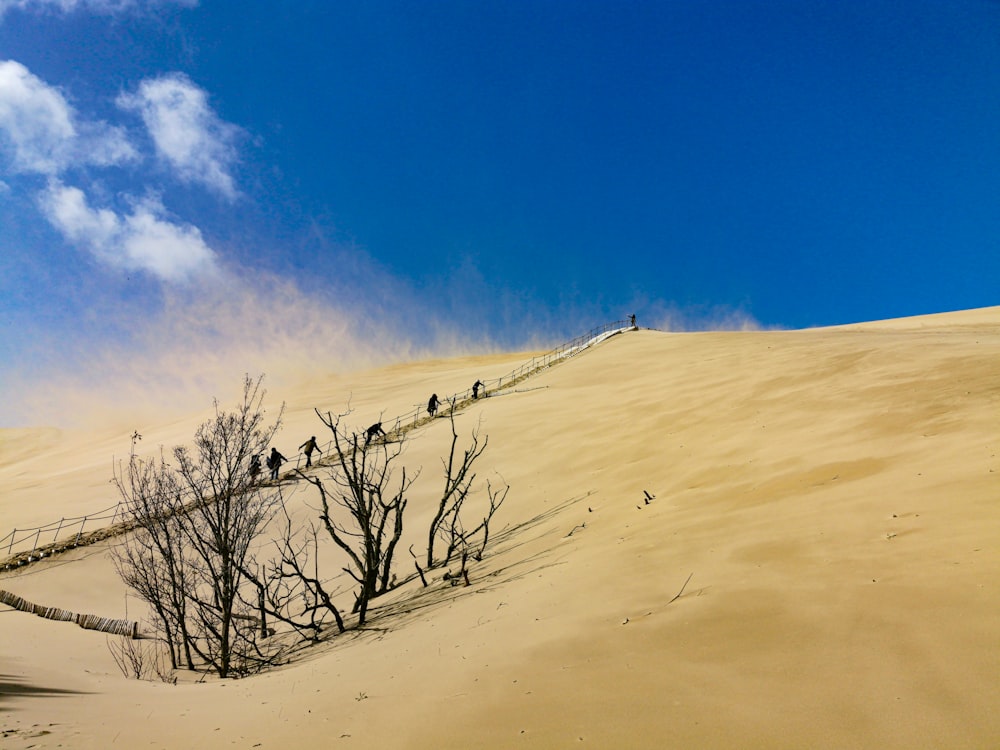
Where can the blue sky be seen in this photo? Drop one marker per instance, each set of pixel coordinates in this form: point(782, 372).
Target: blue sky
point(201, 187)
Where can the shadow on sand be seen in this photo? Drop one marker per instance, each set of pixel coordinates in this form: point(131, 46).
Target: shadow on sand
point(420, 603)
point(12, 687)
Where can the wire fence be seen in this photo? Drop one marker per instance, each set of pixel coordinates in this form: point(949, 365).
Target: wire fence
point(22, 546)
point(533, 366)
point(69, 531)
point(419, 415)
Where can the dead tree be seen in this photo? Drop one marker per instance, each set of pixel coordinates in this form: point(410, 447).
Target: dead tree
point(468, 538)
point(151, 559)
point(197, 561)
point(359, 510)
point(458, 538)
point(447, 524)
point(457, 483)
point(290, 587)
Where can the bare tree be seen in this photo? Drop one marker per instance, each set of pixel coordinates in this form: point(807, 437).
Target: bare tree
point(290, 586)
point(496, 498)
point(447, 524)
point(192, 559)
point(199, 518)
point(362, 509)
point(151, 559)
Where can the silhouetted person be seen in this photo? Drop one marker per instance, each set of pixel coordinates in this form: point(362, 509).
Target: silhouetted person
point(433, 404)
point(255, 466)
point(475, 388)
point(274, 462)
point(308, 447)
point(633, 321)
point(372, 432)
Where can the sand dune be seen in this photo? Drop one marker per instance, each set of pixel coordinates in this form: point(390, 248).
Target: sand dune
point(829, 496)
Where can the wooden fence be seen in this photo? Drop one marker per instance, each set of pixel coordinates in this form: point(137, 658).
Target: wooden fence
point(87, 622)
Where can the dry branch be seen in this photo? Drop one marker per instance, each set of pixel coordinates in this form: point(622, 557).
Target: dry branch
point(678, 595)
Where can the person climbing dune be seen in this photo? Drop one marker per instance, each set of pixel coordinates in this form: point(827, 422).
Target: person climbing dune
point(274, 462)
point(255, 466)
point(372, 432)
point(308, 447)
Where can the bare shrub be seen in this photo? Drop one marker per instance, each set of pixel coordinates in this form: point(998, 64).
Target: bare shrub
point(140, 659)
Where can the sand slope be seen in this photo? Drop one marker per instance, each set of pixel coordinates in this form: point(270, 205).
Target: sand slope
point(832, 494)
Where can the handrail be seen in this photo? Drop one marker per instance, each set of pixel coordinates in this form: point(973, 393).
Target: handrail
point(411, 419)
point(63, 524)
point(69, 532)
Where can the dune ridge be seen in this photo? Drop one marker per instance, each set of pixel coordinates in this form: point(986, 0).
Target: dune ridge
point(824, 501)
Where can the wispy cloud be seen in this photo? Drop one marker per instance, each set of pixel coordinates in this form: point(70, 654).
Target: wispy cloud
point(195, 343)
point(101, 7)
point(186, 132)
point(144, 239)
point(42, 134)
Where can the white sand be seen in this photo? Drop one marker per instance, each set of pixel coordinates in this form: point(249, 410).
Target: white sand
point(833, 492)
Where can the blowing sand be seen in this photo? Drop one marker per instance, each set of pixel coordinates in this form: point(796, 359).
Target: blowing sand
point(829, 497)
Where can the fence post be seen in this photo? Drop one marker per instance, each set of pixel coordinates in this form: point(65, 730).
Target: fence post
point(35, 546)
point(55, 537)
point(80, 532)
point(13, 536)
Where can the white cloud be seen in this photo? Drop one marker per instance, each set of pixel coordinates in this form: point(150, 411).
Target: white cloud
point(103, 145)
point(35, 119)
point(187, 133)
point(103, 7)
point(143, 240)
point(41, 134)
point(39, 129)
point(171, 251)
point(67, 209)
